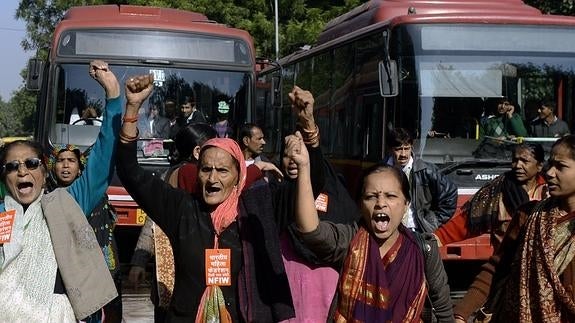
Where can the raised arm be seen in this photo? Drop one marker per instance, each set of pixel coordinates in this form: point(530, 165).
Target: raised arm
point(302, 102)
point(156, 197)
point(306, 217)
point(89, 188)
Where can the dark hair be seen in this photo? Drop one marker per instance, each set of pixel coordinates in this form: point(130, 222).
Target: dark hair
point(535, 149)
point(550, 104)
point(189, 137)
point(190, 98)
point(246, 131)
point(170, 109)
point(35, 146)
point(379, 168)
point(568, 142)
point(399, 137)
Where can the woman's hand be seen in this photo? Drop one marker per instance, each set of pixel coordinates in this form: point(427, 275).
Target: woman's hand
point(302, 102)
point(269, 167)
point(138, 89)
point(296, 150)
point(306, 217)
point(100, 71)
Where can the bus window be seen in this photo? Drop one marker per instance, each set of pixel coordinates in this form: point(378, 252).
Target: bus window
point(77, 91)
point(342, 102)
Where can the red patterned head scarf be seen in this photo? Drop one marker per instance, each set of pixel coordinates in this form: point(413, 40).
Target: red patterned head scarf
point(227, 211)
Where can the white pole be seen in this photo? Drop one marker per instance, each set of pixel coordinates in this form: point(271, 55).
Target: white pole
point(277, 30)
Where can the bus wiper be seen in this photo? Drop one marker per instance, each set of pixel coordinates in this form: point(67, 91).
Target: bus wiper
point(156, 61)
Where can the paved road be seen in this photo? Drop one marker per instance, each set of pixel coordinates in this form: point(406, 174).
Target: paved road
point(137, 308)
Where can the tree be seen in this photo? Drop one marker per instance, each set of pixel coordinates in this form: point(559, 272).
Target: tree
point(300, 22)
point(555, 7)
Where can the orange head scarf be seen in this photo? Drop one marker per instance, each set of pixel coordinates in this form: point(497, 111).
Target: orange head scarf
point(212, 305)
point(227, 211)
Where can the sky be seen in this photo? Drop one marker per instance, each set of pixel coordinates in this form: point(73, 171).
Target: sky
point(14, 58)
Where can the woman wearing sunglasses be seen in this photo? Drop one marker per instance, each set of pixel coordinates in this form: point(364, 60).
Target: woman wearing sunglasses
point(52, 269)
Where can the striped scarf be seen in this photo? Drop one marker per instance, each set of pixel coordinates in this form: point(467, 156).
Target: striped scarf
point(534, 291)
point(391, 289)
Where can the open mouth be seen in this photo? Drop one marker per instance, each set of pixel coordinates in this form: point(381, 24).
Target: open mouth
point(381, 221)
point(212, 190)
point(25, 187)
point(292, 170)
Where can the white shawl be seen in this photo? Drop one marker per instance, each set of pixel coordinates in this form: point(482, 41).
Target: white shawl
point(28, 273)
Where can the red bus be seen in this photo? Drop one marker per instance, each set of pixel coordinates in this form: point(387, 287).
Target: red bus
point(427, 66)
point(187, 53)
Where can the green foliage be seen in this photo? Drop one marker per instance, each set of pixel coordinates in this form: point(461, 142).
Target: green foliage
point(555, 7)
point(300, 22)
point(17, 115)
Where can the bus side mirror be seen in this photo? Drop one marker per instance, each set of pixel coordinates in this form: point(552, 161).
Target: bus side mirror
point(388, 78)
point(34, 76)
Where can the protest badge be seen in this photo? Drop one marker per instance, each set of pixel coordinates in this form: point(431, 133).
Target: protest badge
point(218, 267)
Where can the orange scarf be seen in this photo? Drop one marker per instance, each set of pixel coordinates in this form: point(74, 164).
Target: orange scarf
point(227, 212)
point(212, 305)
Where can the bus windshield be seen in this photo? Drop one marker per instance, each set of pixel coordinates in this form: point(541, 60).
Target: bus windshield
point(79, 100)
point(454, 77)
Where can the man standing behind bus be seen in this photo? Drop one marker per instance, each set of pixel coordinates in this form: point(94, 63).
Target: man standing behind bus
point(547, 124)
point(433, 195)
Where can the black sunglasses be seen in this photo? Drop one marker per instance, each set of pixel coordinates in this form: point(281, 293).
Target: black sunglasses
point(30, 163)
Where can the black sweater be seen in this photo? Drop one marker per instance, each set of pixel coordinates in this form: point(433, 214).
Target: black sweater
point(257, 267)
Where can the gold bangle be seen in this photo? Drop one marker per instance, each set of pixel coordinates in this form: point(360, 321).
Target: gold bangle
point(313, 140)
point(304, 130)
point(310, 135)
point(131, 120)
point(127, 138)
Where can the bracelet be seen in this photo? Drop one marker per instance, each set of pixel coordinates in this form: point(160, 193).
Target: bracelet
point(304, 130)
point(132, 119)
point(312, 140)
point(459, 317)
point(126, 138)
point(310, 137)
